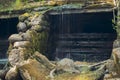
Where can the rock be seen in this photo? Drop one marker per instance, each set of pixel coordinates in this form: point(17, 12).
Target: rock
point(16, 56)
point(33, 70)
point(24, 17)
point(110, 65)
point(22, 27)
point(116, 43)
point(26, 36)
point(66, 65)
point(41, 8)
point(22, 44)
point(36, 20)
point(43, 59)
point(12, 74)
point(37, 28)
point(14, 38)
point(116, 58)
point(28, 24)
point(3, 73)
point(92, 75)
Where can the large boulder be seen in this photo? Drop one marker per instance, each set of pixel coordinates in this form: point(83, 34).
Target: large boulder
point(22, 27)
point(15, 37)
point(33, 70)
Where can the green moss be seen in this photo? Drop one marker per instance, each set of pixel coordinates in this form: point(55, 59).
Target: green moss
point(38, 43)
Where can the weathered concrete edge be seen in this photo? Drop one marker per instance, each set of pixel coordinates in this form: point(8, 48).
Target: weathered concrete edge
point(16, 13)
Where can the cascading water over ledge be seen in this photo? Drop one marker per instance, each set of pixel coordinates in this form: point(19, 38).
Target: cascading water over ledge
point(83, 36)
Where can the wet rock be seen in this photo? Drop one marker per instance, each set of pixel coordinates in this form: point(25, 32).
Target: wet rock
point(12, 74)
point(14, 38)
point(16, 56)
point(22, 27)
point(33, 70)
point(22, 44)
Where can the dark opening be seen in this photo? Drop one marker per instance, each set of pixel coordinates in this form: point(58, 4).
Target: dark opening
point(7, 27)
point(82, 36)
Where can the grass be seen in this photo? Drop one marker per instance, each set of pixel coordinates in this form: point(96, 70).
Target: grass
point(20, 5)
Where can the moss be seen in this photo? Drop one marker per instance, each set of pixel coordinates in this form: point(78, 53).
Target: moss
point(24, 16)
point(38, 43)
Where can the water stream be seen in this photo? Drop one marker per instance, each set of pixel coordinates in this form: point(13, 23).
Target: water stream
point(84, 37)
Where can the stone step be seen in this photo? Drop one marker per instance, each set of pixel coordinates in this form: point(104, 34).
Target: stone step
point(87, 36)
point(79, 44)
point(98, 51)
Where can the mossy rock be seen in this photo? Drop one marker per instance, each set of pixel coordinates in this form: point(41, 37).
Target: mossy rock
point(24, 17)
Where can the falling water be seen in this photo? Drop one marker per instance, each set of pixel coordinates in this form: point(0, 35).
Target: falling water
point(7, 27)
point(80, 37)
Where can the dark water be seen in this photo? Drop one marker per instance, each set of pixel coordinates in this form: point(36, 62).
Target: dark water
point(84, 37)
point(7, 27)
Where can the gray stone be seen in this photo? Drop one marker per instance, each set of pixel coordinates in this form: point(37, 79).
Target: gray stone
point(66, 64)
point(22, 27)
point(15, 37)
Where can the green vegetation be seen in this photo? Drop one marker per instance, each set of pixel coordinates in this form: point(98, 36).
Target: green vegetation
point(38, 43)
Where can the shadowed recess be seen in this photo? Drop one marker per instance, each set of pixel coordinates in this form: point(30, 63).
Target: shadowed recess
point(82, 36)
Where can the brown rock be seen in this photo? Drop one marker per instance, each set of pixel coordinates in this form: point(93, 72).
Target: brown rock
point(15, 37)
point(43, 60)
point(22, 44)
point(33, 70)
point(12, 74)
point(116, 58)
point(67, 65)
point(16, 56)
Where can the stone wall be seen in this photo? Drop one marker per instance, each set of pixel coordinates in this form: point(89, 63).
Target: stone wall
point(32, 36)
